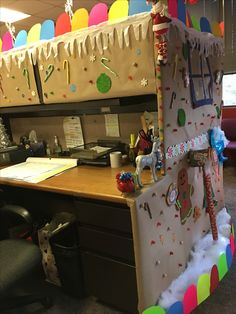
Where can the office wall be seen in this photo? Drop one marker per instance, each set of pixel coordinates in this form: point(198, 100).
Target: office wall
point(93, 127)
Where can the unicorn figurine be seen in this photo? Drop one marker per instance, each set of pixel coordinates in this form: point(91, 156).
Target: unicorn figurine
point(151, 160)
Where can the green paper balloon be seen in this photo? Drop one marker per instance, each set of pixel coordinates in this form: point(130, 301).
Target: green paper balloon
point(195, 23)
point(222, 266)
point(203, 288)
point(103, 83)
point(185, 51)
point(181, 117)
point(154, 310)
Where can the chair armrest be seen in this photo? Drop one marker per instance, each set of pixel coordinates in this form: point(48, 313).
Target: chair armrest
point(18, 211)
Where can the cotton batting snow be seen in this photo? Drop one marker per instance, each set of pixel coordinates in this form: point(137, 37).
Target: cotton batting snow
point(203, 256)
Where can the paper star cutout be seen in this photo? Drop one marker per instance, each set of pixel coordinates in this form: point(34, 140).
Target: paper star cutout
point(144, 82)
point(92, 58)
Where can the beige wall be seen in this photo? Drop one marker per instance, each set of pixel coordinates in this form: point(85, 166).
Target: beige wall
point(93, 127)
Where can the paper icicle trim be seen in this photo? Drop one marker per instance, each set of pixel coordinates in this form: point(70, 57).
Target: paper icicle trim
point(140, 24)
point(184, 147)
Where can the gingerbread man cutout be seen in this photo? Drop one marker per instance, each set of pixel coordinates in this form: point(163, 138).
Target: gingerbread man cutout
point(183, 203)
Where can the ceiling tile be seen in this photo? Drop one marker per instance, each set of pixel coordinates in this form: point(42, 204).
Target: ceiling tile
point(5, 3)
point(51, 14)
point(29, 7)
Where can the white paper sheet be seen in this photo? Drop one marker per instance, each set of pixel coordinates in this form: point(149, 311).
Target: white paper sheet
point(36, 169)
point(112, 125)
point(73, 132)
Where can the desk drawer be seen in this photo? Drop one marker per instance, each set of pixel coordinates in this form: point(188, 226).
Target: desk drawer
point(110, 281)
point(106, 215)
point(107, 243)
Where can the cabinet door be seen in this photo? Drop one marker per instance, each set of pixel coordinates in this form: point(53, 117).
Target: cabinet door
point(110, 281)
point(108, 244)
point(106, 215)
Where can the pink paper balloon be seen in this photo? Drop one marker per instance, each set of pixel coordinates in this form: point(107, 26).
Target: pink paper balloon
point(232, 245)
point(173, 8)
point(98, 14)
point(190, 299)
point(7, 42)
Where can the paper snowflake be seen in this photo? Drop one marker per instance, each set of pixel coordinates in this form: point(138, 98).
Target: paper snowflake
point(144, 82)
point(92, 58)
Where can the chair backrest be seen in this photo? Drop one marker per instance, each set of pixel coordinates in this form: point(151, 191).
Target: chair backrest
point(228, 126)
point(15, 222)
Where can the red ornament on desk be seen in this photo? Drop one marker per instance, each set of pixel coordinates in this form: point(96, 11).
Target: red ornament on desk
point(125, 182)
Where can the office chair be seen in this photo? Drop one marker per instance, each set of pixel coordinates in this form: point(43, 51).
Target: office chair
point(18, 257)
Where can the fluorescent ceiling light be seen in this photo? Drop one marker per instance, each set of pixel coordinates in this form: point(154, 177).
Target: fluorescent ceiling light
point(10, 16)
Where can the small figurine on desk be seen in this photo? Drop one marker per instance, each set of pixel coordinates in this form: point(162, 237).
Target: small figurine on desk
point(57, 149)
point(151, 160)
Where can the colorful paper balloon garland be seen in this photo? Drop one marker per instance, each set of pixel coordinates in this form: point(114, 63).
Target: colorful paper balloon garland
point(194, 295)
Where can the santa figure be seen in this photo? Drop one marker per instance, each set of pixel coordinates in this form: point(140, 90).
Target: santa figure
point(160, 27)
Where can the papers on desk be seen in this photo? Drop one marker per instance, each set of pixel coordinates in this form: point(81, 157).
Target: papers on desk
point(36, 169)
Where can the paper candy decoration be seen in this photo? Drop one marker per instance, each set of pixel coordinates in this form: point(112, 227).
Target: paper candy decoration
point(63, 24)
point(176, 308)
point(205, 25)
point(195, 23)
point(7, 42)
point(98, 14)
point(214, 278)
point(154, 310)
point(203, 288)
point(173, 8)
point(21, 39)
point(119, 9)
point(47, 30)
point(34, 33)
point(190, 299)
point(80, 19)
point(181, 11)
point(222, 266)
point(216, 29)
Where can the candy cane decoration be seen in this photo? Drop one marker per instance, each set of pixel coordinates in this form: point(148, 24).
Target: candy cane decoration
point(103, 60)
point(26, 73)
point(210, 204)
point(49, 72)
point(1, 84)
point(66, 65)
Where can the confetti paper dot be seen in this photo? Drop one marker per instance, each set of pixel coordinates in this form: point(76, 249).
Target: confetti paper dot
point(73, 88)
point(181, 117)
point(138, 52)
point(104, 83)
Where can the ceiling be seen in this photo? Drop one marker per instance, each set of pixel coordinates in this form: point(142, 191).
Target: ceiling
point(41, 10)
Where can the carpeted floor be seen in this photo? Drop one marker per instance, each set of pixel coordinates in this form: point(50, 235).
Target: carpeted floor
point(223, 299)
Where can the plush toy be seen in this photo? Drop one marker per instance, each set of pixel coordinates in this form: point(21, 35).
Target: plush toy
point(160, 27)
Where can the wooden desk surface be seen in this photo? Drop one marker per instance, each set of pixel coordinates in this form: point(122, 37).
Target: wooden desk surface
point(84, 181)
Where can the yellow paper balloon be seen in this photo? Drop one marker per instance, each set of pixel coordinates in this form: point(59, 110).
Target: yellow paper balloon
point(80, 19)
point(119, 9)
point(203, 288)
point(215, 28)
point(34, 33)
point(0, 45)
